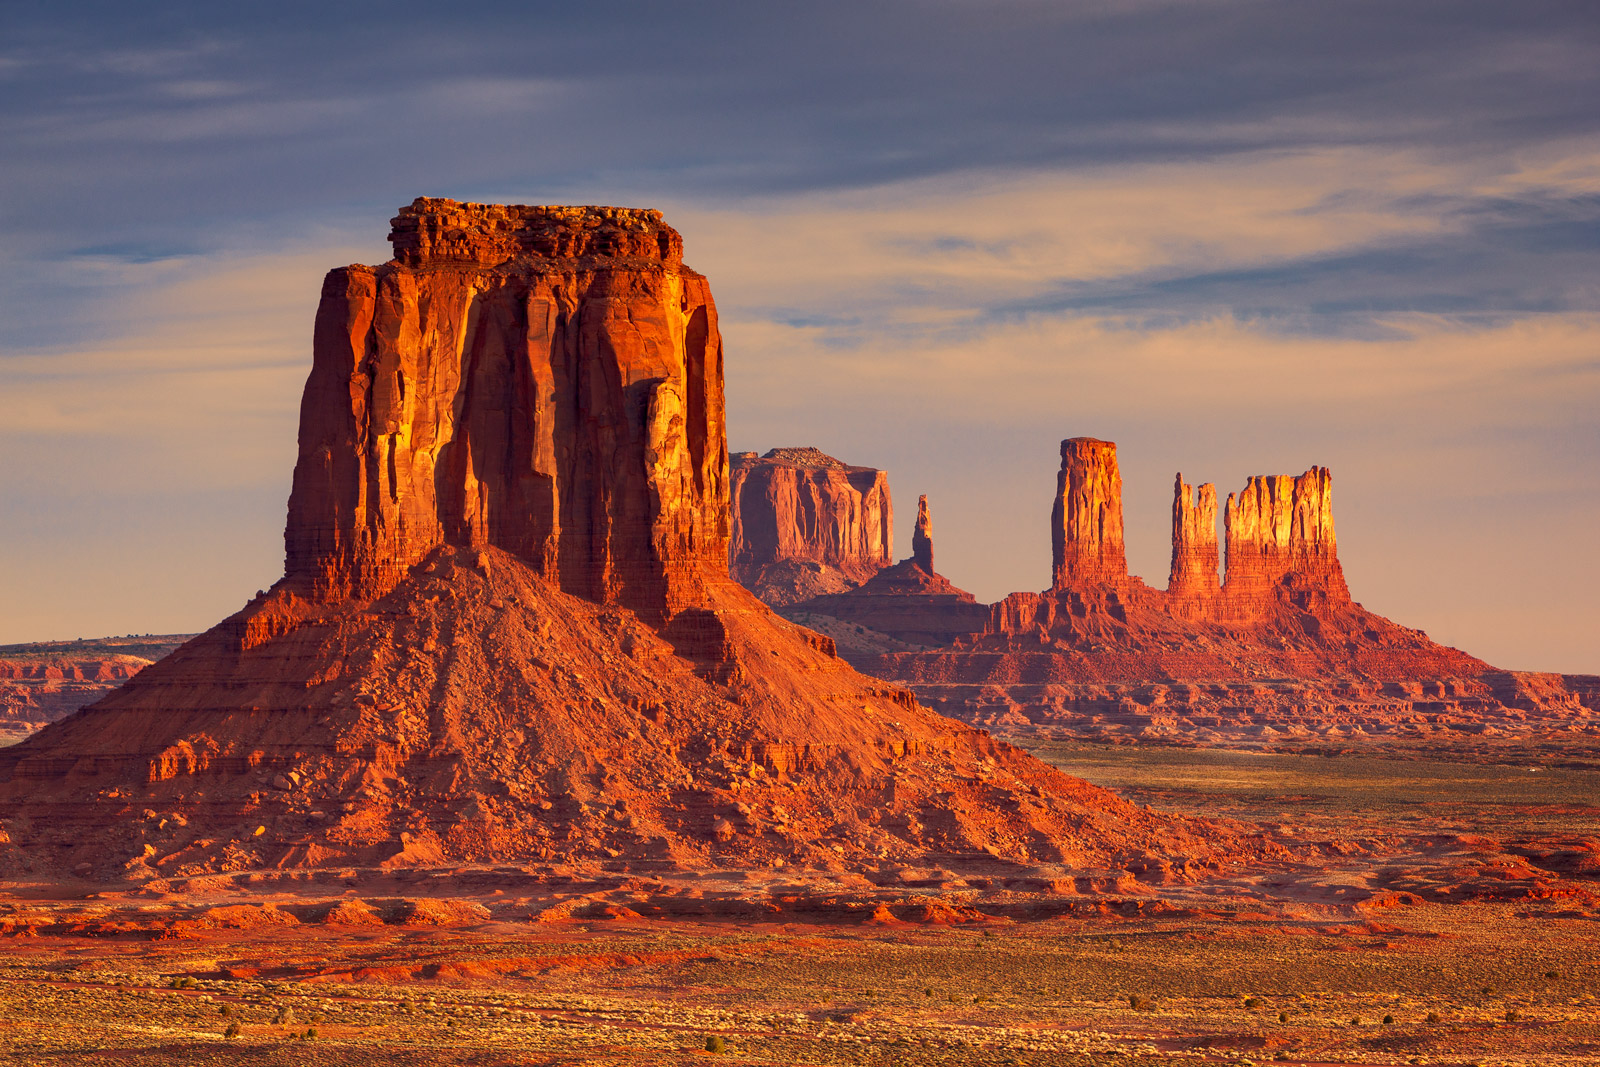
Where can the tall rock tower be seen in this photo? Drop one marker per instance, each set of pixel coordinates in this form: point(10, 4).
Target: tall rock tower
point(1086, 521)
point(922, 537)
point(1194, 581)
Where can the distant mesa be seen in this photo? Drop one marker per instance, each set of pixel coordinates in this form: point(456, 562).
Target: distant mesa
point(805, 524)
point(506, 630)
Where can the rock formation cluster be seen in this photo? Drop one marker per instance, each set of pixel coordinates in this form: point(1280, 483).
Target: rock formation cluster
point(506, 630)
point(805, 524)
point(1264, 640)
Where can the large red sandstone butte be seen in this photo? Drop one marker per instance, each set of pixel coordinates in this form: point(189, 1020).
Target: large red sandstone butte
point(506, 630)
point(805, 524)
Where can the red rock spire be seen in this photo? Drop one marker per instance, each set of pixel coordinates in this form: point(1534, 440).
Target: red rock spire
point(1086, 521)
point(1194, 542)
point(922, 537)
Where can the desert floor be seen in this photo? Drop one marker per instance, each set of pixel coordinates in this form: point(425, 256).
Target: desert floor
point(1215, 974)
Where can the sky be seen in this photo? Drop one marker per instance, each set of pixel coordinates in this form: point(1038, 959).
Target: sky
point(1235, 237)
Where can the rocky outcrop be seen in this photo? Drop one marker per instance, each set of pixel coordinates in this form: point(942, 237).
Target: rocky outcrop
point(506, 631)
point(1086, 520)
point(1281, 546)
point(804, 524)
point(544, 380)
point(922, 537)
point(1194, 580)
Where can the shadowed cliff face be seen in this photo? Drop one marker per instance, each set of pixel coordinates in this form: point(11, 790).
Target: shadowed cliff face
point(543, 380)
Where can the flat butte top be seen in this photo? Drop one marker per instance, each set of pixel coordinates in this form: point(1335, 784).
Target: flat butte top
point(806, 458)
point(432, 231)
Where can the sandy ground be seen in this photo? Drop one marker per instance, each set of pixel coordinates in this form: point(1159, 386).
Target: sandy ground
point(438, 970)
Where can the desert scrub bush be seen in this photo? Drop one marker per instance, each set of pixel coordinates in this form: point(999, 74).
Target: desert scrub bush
point(1283, 1016)
point(233, 1030)
point(1138, 1003)
point(1513, 1015)
point(716, 1043)
point(1252, 1002)
point(1388, 1020)
point(1433, 1017)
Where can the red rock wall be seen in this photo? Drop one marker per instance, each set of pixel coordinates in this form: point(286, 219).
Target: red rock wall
point(544, 380)
point(1194, 578)
point(1086, 521)
point(1281, 545)
point(801, 504)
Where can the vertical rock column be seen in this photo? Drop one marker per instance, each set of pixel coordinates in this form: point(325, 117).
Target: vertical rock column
point(922, 537)
point(1281, 545)
point(1194, 579)
point(1086, 521)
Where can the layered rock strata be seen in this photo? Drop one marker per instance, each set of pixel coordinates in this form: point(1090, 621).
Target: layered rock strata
point(506, 631)
point(804, 524)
